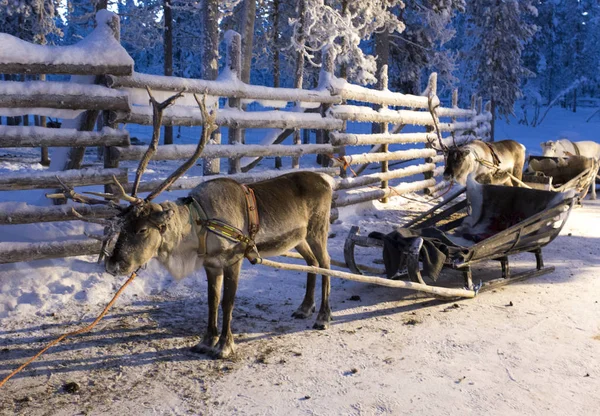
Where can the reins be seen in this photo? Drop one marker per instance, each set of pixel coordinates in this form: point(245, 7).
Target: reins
point(72, 333)
point(496, 168)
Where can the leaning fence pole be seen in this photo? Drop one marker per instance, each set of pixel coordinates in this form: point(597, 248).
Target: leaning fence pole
point(399, 284)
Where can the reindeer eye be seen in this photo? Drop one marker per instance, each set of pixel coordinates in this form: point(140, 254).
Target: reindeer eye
point(142, 231)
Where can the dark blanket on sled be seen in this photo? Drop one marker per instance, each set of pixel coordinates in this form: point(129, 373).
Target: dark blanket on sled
point(436, 248)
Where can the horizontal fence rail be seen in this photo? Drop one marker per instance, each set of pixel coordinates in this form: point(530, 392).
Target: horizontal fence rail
point(61, 95)
point(30, 136)
point(75, 177)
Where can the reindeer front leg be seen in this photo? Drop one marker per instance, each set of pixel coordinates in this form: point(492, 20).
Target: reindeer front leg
point(211, 336)
point(225, 347)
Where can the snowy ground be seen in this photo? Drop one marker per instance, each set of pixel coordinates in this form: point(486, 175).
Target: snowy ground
point(529, 348)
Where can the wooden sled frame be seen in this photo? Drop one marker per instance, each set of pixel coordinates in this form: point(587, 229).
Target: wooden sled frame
point(582, 183)
point(529, 235)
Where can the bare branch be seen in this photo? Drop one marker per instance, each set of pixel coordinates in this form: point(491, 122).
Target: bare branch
point(209, 125)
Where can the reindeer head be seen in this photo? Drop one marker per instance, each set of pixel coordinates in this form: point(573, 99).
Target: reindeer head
point(141, 232)
point(458, 165)
point(549, 148)
point(139, 229)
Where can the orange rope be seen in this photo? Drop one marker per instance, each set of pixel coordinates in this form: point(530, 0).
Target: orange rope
point(345, 164)
point(77, 332)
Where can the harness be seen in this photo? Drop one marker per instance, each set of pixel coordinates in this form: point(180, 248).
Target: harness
point(495, 157)
point(577, 152)
point(198, 218)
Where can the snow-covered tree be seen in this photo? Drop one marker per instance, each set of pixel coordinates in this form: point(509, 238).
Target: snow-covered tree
point(422, 47)
point(502, 30)
point(325, 24)
point(32, 20)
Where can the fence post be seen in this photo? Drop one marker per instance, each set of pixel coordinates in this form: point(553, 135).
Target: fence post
point(454, 105)
point(325, 75)
point(233, 41)
point(382, 84)
point(488, 109)
point(109, 160)
point(431, 89)
point(87, 121)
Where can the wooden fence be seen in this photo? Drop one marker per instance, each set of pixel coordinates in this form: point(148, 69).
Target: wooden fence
point(119, 95)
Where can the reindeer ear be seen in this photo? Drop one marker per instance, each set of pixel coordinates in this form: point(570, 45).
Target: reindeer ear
point(162, 217)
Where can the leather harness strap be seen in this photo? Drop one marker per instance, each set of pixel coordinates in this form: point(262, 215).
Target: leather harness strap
point(577, 152)
point(495, 157)
point(222, 229)
point(253, 222)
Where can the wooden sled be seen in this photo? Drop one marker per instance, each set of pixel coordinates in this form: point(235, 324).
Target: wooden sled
point(579, 173)
point(544, 214)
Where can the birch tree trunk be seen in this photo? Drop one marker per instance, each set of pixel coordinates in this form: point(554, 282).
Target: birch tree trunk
point(210, 66)
point(168, 50)
point(275, 46)
point(299, 76)
point(248, 18)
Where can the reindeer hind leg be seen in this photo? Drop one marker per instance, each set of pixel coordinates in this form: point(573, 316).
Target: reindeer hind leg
point(307, 307)
point(319, 248)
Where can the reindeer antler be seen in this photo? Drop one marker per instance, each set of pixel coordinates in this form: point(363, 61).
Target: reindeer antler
point(209, 125)
point(157, 116)
point(432, 108)
point(69, 193)
point(120, 195)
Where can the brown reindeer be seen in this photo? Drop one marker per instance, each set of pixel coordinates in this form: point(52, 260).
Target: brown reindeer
point(489, 162)
point(293, 212)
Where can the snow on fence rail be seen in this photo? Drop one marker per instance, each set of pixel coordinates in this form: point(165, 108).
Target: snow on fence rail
point(74, 177)
point(31, 136)
point(121, 97)
point(61, 95)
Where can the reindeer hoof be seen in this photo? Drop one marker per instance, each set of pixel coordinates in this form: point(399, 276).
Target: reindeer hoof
point(321, 325)
point(222, 352)
point(206, 346)
point(323, 320)
point(202, 349)
point(304, 313)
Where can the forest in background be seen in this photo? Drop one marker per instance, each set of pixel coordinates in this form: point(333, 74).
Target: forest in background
point(503, 50)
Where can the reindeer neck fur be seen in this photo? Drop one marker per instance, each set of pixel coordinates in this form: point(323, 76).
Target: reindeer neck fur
point(471, 158)
point(178, 252)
